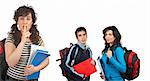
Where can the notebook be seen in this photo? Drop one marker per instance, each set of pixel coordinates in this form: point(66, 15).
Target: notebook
point(100, 66)
point(85, 67)
point(37, 56)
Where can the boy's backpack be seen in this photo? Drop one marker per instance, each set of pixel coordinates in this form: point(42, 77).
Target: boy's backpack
point(3, 63)
point(132, 64)
point(63, 57)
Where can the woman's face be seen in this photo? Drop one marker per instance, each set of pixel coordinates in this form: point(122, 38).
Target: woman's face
point(82, 37)
point(25, 22)
point(109, 37)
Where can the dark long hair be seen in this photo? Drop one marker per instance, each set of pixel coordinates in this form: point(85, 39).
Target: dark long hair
point(116, 34)
point(24, 11)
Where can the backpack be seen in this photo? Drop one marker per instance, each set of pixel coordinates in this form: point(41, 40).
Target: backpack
point(3, 63)
point(132, 65)
point(63, 57)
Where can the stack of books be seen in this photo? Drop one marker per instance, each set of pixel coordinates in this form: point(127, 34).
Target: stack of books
point(37, 55)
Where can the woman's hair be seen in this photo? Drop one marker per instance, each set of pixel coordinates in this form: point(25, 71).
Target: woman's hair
point(116, 34)
point(24, 11)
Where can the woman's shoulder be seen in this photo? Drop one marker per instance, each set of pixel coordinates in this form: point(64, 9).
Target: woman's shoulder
point(10, 38)
point(118, 49)
point(40, 42)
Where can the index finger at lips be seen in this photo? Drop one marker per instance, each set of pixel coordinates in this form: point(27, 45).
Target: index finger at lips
point(24, 28)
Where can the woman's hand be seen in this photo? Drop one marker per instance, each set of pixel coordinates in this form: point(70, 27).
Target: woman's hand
point(102, 76)
point(25, 35)
point(109, 53)
point(29, 69)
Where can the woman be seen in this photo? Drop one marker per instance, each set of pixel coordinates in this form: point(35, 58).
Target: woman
point(18, 44)
point(113, 62)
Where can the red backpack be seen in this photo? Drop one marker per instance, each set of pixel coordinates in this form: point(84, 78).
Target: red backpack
point(132, 65)
point(63, 57)
point(3, 63)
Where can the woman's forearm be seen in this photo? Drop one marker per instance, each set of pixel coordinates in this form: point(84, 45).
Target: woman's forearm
point(42, 65)
point(15, 56)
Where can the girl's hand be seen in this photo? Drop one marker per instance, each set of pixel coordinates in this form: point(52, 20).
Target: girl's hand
point(102, 76)
point(109, 53)
point(25, 35)
point(29, 69)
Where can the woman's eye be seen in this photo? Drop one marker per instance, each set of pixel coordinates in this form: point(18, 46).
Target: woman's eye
point(28, 18)
point(21, 18)
point(110, 34)
point(79, 35)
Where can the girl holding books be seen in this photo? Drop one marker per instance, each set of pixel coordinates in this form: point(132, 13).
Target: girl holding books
point(18, 45)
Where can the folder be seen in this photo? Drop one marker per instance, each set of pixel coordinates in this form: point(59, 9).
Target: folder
point(35, 59)
point(100, 66)
point(85, 67)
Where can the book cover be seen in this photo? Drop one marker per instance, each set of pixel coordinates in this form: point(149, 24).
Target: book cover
point(85, 67)
point(100, 66)
point(37, 57)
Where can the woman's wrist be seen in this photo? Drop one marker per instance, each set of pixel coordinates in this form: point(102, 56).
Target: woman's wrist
point(35, 69)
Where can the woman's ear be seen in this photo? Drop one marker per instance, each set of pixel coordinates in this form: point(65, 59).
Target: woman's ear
point(18, 27)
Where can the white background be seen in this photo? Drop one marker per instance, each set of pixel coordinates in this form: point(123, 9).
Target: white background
point(58, 19)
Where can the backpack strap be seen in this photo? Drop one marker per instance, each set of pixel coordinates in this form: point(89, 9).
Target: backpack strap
point(114, 48)
point(70, 69)
point(76, 52)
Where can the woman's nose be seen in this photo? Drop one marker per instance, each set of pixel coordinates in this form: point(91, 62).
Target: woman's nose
point(24, 22)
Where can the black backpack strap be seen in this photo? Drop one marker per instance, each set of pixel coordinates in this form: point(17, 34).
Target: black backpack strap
point(114, 48)
point(67, 68)
point(3, 41)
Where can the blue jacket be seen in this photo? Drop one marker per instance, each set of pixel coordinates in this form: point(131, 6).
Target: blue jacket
point(115, 65)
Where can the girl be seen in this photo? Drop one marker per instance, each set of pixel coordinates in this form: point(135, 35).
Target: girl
point(18, 44)
point(113, 62)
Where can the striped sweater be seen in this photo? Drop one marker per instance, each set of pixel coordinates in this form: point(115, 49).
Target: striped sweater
point(17, 71)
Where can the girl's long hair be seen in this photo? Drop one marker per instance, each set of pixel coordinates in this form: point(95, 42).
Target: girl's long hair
point(24, 11)
point(116, 34)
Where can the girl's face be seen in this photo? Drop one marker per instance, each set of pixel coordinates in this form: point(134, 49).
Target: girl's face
point(109, 37)
point(82, 37)
point(24, 22)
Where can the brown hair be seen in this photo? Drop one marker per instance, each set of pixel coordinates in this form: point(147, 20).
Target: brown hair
point(24, 11)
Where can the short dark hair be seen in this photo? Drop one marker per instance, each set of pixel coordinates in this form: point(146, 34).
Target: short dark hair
point(80, 29)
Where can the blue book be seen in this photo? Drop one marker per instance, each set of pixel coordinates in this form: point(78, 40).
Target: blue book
point(36, 59)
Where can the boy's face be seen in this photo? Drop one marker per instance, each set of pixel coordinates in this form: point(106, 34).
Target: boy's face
point(82, 37)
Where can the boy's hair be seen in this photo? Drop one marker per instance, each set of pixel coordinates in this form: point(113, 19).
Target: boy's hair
point(80, 29)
